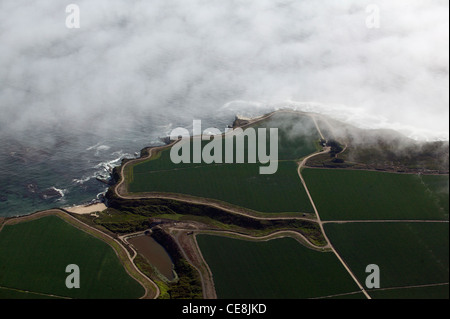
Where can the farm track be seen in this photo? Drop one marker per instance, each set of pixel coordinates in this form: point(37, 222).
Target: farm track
point(329, 245)
point(34, 293)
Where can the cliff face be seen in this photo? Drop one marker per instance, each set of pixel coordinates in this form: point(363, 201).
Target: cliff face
point(240, 121)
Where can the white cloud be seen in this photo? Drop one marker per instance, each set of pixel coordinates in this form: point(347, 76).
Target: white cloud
point(189, 58)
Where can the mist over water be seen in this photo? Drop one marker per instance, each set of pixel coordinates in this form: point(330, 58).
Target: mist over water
point(75, 101)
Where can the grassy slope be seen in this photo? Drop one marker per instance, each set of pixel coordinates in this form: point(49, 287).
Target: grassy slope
point(438, 188)
point(407, 253)
point(280, 268)
point(297, 134)
point(34, 255)
point(348, 195)
point(297, 138)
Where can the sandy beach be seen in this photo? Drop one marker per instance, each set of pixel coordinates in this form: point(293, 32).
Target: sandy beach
point(86, 209)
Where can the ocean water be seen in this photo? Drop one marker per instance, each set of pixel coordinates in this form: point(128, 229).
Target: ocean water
point(55, 167)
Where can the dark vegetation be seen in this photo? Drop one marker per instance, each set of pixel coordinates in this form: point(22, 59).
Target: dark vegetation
point(335, 149)
point(137, 214)
point(188, 285)
point(426, 157)
point(383, 150)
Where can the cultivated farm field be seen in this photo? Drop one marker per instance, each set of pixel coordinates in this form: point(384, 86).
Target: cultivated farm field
point(279, 268)
point(238, 184)
point(34, 255)
point(408, 254)
point(367, 195)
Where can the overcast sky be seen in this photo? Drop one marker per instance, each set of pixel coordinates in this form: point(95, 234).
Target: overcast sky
point(193, 58)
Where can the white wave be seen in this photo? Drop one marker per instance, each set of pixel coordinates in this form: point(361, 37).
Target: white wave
point(99, 147)
point(103, 148)
point(100, 196)
point(61, 192)
point(81, 181)
point(109, 165)
point(93, 147)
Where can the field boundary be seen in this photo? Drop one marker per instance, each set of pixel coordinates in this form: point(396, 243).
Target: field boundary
point(34, 293)
point(413, 286)
point(329, 244)
point(374, 170)
point(384, 221)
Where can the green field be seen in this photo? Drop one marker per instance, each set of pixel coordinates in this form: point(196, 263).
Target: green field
point(359, 195)
point(34, 256)
point(280, 268)
point(297, 138)
point(297, 134)
point(438, 188)
point(434, 292)
point(407, 253)
point(239, 184)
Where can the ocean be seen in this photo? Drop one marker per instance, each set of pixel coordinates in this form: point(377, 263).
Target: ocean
point(54, 167)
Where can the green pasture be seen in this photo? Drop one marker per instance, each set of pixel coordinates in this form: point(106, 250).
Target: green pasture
point(359, 195)
point(238, 184)
point(279, 268)
point(407, 254)
point(34, 256)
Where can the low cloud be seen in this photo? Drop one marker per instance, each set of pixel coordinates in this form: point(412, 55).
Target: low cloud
point(174, 59)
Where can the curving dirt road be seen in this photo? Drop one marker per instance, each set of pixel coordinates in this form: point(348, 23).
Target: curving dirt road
point(302, 164)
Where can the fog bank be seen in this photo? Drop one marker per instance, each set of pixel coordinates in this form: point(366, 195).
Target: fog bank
point(176, 60)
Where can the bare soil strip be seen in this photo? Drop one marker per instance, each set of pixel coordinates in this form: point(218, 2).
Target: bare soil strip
point(191, 252)
point(317, 127)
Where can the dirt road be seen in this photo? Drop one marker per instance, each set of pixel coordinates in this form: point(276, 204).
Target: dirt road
point(329, 245)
